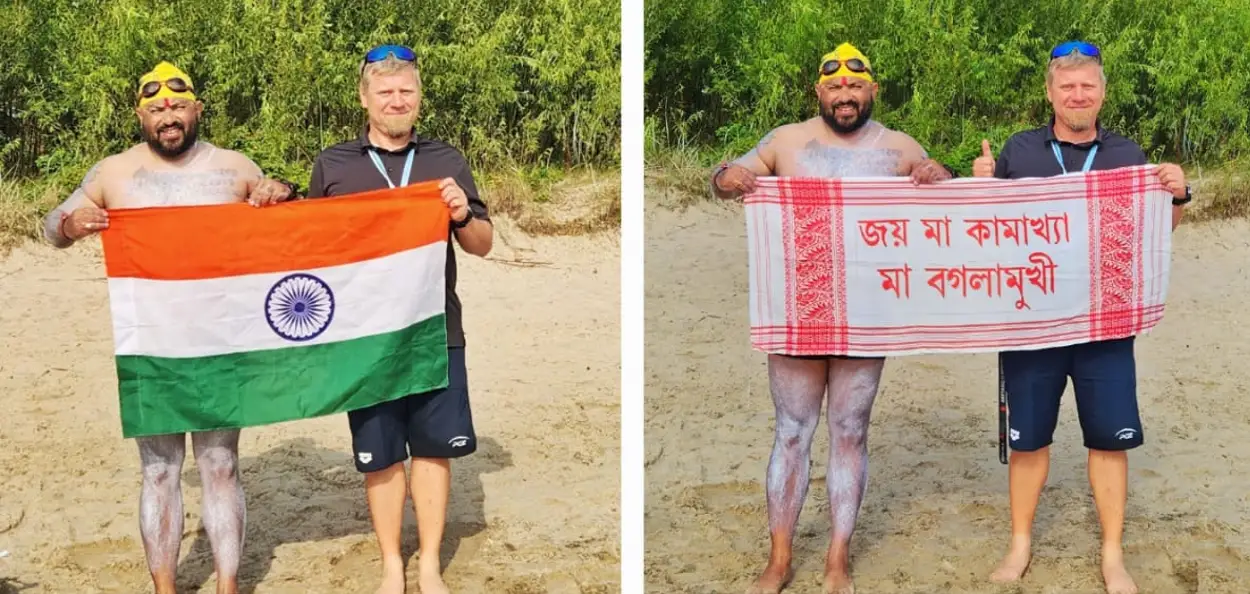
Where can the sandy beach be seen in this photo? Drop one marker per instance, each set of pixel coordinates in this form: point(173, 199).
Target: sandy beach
point(535, 510)
point(935, 518)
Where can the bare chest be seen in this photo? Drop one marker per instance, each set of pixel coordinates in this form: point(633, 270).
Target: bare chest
point(148, 188)
point(821, 160)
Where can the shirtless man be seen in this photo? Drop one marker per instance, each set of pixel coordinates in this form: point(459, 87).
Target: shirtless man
point(843, 141)
point(172, 168)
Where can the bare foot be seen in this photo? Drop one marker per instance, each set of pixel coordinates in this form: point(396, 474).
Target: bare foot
point(431, 582)
point(392, 578)
point(1014, 565)
point(164, 583)
point(838, 581)
point(772, 580)
point(1116, 577)
point(228, 586)
point(837, 570)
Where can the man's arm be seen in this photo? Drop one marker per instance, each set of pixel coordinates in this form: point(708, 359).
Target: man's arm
point(1172, 177)
point(917, 164)
point(316, 183)
point(261, 190)
point(477, 237)
point(1001, 167)
point(79, 215)
point(738, 177)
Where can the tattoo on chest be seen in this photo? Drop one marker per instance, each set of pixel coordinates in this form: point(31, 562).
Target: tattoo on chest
point(216, 186)
point(819, 160)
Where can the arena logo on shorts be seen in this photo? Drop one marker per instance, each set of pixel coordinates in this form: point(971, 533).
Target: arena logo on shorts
point(365, 457)
point(1015, 435)
point(1125, 433)
point(459, 441)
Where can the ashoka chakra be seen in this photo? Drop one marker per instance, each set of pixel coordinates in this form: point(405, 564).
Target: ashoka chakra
point(299, 307)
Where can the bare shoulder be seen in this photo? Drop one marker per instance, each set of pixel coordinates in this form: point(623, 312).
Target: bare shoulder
point(904, 143)
point(119, 165)
point(800, 133)
point(232, 159)
point(784, 138)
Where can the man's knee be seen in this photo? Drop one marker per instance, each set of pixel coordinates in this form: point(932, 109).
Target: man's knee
point(849, 430)
point(796, 432)
point(161, 474)
point(218, 465)
point(1108, 439)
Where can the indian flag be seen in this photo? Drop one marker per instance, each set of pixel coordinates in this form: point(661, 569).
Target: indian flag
point(230, 316)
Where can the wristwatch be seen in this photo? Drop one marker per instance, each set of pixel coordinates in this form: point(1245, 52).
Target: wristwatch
point(465, 223)
point(716, 174)
point(292, 187)
point(1189, 196)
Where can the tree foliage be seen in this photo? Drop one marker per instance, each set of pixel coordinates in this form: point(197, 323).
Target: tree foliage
point(721, 73)
point(506, 81)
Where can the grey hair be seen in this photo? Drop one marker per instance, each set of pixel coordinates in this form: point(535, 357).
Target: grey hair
point(1073, 60)
point(389, 65)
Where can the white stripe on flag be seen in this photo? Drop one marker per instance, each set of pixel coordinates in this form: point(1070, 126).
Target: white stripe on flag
point(196, 318)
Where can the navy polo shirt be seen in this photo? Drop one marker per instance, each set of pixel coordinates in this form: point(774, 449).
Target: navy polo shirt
point(346, 168)
point(1029, 153)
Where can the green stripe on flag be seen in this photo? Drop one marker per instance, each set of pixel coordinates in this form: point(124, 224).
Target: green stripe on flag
point(175, 395)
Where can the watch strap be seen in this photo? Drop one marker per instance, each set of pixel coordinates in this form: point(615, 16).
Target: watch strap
point(465, 223)
point(1189, 196)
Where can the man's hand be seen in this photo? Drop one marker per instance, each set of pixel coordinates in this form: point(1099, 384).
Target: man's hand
point(84, 221)
point(268, 191)
point(455, 199)
point(1173, 178)
point(736, 178)
point(928, 172)
point(983, 166)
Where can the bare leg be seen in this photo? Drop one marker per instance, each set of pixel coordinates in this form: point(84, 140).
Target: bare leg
point(852, 390)
point(224, 509)
point(431, 488)
point(798, 390)
point(1108, 476)
point(160, 506)
point(1026, 475)
point(386, 492)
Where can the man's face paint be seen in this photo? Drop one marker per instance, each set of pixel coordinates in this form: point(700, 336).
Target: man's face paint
point(163, 74)
point(844, 54)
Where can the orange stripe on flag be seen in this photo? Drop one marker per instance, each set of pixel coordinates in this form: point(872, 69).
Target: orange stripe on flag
point(197, 242)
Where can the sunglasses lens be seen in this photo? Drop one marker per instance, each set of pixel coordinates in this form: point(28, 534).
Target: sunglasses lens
point(1082, 47)
point(404, 53)
point(829, 67)
point(856, 65)
point(151, 89)
point(379, 53)
point(176, 85)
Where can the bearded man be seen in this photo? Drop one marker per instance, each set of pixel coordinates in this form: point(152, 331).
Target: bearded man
point(173, 167)
point(843, 141)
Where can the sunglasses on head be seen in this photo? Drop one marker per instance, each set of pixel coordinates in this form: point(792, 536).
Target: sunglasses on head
point(380, 53)
point(1081, 47)
point(854, 65)
point(176, 85)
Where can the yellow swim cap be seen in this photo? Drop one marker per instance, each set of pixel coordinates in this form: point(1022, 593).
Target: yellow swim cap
point(845, 53)
point(163, 83)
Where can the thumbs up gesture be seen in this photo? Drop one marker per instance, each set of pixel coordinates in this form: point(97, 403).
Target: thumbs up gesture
point(983, 166)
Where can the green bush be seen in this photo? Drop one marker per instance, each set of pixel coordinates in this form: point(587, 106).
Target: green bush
point(721, 73)
point(507, 81)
